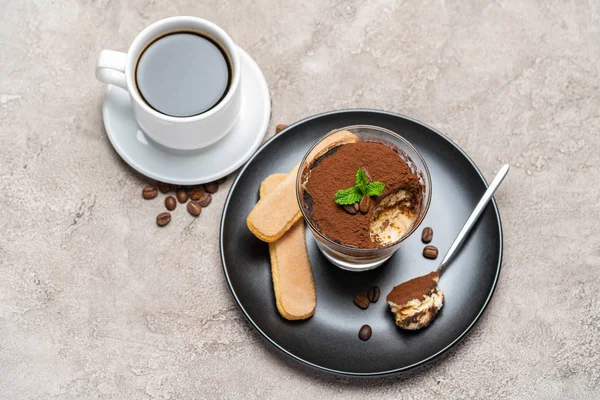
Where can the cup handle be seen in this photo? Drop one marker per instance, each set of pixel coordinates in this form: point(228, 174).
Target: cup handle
point(110, 68)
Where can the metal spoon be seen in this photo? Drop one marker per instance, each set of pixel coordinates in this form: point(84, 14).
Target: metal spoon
point(464, 232)
point(416, 316)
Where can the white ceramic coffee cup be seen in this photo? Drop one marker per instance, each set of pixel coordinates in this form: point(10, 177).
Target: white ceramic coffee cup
point(181, 133)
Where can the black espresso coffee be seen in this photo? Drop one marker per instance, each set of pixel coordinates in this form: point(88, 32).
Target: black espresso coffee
point(183, 74)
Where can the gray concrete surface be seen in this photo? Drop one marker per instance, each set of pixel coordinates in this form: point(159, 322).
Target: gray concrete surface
point(96, 302)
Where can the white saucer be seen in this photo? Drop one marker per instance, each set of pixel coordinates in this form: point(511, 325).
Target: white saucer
point(201, 166)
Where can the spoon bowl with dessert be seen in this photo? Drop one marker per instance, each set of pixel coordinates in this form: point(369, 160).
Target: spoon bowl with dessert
point(416, 302)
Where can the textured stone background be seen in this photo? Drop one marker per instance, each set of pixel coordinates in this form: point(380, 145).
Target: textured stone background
point(96, 302)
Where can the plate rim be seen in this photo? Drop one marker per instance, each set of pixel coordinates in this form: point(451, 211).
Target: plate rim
point(331, 370)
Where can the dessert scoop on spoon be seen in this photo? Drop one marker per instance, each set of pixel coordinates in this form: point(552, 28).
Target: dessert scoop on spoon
point(416, 302)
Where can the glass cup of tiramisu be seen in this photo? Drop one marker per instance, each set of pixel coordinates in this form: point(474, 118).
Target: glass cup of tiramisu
point(362, 190)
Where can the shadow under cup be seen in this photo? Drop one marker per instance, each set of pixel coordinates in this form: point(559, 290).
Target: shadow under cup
point(363, 259)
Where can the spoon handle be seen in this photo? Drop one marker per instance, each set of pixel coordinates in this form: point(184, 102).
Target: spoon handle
point(464, 232)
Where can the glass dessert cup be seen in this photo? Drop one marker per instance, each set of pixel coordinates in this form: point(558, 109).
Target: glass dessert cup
point(349, 257)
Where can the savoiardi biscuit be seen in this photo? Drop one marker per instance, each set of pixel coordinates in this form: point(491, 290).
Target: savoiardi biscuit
point(293, 282)
point(276, 212)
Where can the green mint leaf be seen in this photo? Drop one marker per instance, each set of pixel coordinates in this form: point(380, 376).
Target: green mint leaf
point(361, 181)
point(375, 189)
point(348, 196)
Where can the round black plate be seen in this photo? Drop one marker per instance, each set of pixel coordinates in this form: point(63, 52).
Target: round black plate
point(329, 340)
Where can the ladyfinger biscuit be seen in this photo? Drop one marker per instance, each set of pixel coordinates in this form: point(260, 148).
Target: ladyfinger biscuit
point(275, 213)
point(293, 282)
point(341, 137)
point(269, 184)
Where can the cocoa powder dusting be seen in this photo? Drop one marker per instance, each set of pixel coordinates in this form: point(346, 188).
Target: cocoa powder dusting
point(416, 288)
point(337, 170)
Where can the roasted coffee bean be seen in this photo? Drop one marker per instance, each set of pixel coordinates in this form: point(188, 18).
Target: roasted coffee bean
point(365, 204)
point(196, 193)
point(280, 127)
point(373, 294)
point(170, 203)
point(163, 187)
point(361, 301)
point(194, 208)
point(427, 235)
point(149, 192)
point(205, 199)
point(365, 333)
point(182, 195)
point(430, 252)
point(351, 208)
point(163, 219)
point(211, 187)
point(222, 180)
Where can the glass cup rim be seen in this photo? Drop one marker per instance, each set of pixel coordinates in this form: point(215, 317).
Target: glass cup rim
point(383, 130)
